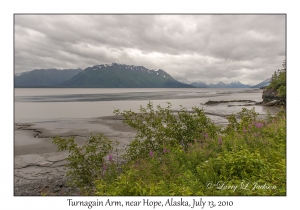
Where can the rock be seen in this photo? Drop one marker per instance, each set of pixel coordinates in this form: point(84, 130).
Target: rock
point(270, 95)
point(271, 103)
point(272, 98)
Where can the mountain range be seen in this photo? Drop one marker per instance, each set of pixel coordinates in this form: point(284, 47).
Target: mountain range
point(44, 77)
point(264, 83)
point(113, 75)
point(100, 76)
point(220, 84)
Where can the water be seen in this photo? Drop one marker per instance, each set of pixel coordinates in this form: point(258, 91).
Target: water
point(42, 104)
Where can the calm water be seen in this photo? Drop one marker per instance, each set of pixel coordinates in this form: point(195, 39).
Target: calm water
point(67, 112)
point(42, 104)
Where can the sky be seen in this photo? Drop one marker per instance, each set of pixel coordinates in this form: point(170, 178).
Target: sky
point(207, 48)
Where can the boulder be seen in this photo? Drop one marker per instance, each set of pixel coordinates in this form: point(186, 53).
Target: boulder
point(272, 103)
point(270, 95)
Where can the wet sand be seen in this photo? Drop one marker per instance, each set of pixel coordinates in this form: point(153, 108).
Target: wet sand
point(40, 168)
point(36, 138)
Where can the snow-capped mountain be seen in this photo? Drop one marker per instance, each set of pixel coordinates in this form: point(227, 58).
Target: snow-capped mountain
point(264, 83)
point(118, 75)
point(234, 84)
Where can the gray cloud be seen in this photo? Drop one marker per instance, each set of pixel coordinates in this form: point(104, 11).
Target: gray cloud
point(209, 48)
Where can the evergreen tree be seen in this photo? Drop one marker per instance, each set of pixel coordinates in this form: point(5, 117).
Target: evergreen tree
point(278, 81)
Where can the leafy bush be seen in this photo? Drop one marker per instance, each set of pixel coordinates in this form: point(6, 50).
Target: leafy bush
point(157, 129)
point(249, 154)
point(86, 163)
point(247, 116)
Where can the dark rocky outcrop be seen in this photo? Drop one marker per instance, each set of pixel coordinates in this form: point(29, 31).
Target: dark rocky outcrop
point(270, 95)
point(271, 98)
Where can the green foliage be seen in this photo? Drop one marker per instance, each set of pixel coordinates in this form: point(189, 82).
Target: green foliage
point(246, 116)
point(185, 154)
point(166, 174)
point(278, 81)
point(160, 128)
point(86, 163)
point(251, 158)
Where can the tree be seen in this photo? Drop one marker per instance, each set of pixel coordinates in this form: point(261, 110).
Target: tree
point(278, 81)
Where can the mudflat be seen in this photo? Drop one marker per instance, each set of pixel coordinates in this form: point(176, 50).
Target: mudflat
point(39, 168)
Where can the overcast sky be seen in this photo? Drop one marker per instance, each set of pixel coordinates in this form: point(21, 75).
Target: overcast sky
point(208, 48)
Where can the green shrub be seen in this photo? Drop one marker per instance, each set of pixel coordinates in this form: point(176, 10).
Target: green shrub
point(157, 129)
point(184, 154)
point(167, 174)
point(248, 153)
point(86, 163)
